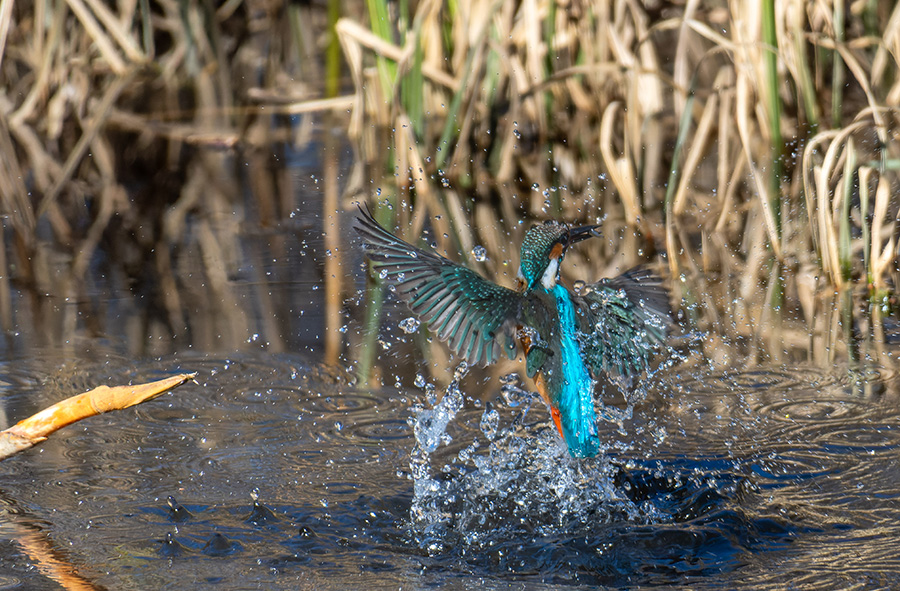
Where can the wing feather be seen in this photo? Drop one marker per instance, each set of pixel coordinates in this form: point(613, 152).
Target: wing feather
point(476, 316)
point(622, 320)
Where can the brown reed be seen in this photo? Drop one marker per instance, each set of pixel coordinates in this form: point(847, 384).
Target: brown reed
point(121, 124)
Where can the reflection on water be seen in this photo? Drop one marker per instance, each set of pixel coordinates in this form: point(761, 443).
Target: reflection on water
point(271, 472)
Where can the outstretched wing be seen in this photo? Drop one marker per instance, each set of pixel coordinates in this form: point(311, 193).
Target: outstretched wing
point(475, 316)
point(622, 321)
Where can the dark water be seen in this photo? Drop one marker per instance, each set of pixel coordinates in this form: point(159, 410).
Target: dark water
point(769, 477)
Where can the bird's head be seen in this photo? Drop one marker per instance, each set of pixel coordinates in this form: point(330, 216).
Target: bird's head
point(543, 249)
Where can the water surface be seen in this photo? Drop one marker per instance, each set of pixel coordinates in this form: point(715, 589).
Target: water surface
point(765, 477)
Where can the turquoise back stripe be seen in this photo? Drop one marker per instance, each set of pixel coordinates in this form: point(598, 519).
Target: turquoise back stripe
point(576, 400)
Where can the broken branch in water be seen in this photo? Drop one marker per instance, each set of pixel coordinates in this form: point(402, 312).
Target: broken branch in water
point(36, 428)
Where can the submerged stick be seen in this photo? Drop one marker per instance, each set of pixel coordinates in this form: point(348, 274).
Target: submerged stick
point(38, 427)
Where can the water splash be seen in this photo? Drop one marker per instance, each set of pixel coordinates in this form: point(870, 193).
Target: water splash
point(516, 483)
point(430, 430)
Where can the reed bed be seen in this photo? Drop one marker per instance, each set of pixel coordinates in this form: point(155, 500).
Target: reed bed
point(744, 144)
point(693, 130)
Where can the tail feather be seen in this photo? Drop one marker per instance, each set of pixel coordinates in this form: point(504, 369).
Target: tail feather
point(579, 423)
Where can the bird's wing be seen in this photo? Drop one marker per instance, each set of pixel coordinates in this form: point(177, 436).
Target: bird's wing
point(476, 317)
point(622, 320)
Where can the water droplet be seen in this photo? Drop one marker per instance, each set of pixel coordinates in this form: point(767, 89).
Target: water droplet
point(409, 325)
point(490, 421)
point(479, 253)
point(511, 379)
point(514, 395)
point(430, 394)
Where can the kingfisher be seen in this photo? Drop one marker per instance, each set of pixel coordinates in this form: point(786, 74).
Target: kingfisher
point(571, 340)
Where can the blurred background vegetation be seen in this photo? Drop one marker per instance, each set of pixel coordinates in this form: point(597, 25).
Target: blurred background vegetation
point(747, 148)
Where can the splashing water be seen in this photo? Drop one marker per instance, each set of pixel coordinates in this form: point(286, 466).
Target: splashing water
point(429, 427)
point(519, 483)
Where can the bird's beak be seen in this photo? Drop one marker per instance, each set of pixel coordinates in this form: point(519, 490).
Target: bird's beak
point(582, 233)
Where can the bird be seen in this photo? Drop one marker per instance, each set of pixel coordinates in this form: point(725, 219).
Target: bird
point(570, 340)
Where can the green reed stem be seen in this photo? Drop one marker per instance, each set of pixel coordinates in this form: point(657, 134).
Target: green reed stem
point(413, 82)
point(773, 106)
point(380, 21)
point(333, 52)
point(374, 308)
point(451, 126)
point(805, 82)
point(550, 59)
point(147, 29)
point(870, 18)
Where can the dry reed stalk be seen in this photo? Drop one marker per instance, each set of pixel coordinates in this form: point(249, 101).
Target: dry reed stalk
point(120, 34)
point(696, 151)
point(100, 39)
point(747, 136)
point(620, 168)
point(884, 256)
point(95, 124)
point(35, 429)
point(6, 7)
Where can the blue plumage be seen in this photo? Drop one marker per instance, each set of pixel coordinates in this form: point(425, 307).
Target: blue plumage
point(576, 395)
